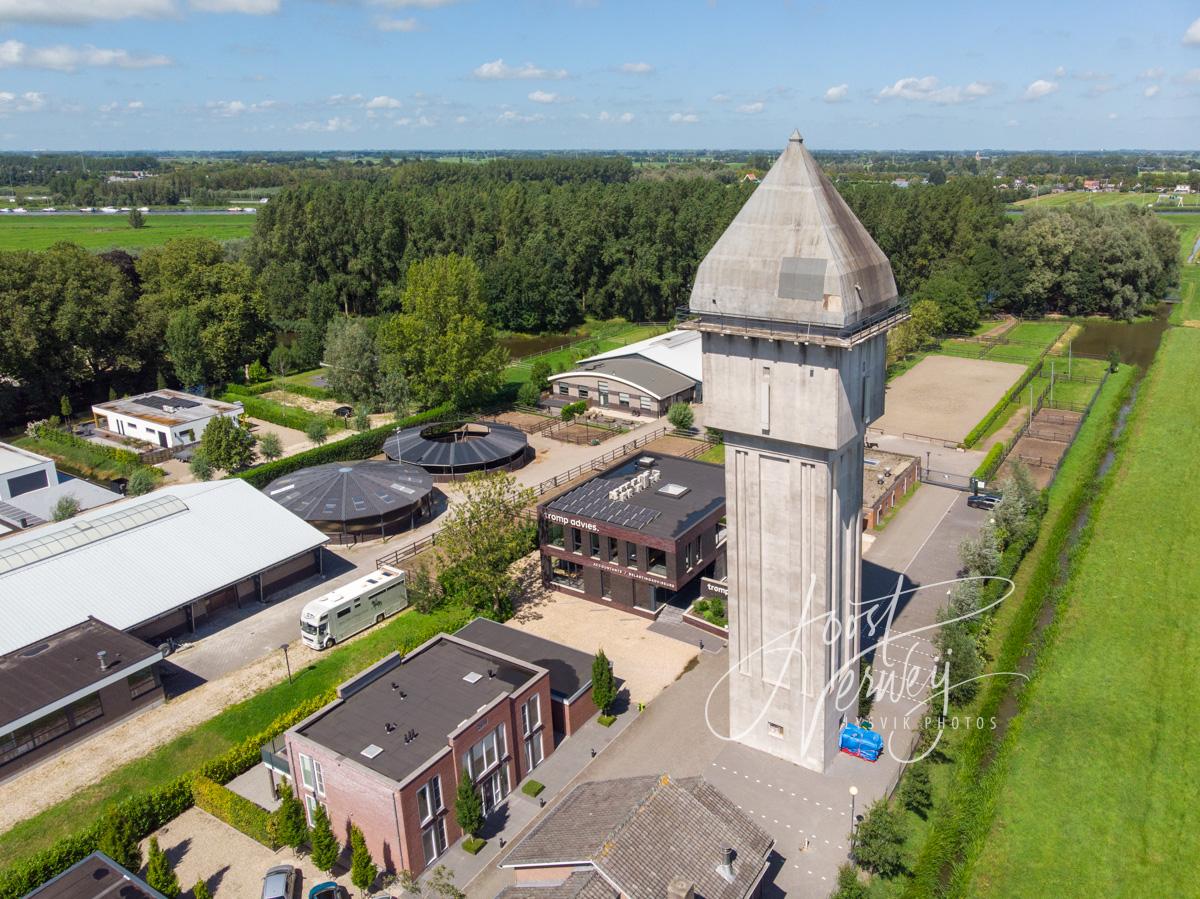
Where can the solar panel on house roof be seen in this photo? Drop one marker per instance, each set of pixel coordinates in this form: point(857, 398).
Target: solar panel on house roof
point(154, 401)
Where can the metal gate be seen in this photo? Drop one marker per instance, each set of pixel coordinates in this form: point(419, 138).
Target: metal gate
point(963, 482)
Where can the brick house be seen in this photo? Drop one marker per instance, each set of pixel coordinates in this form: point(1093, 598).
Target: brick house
point(387, 754)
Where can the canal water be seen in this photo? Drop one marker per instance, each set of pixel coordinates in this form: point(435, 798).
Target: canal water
point(527, 346)
point(1137, 342)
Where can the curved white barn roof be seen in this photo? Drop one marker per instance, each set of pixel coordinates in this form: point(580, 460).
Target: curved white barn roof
point(677, 350)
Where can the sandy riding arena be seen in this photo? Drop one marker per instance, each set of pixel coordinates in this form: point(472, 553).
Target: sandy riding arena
point(945, 396)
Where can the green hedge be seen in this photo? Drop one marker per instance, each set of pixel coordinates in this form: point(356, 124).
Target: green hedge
point(306, 390)
point(149, 811)
point(1009, 397)
point(236, 811)
point(990, 462)
point(66, 438)
point(279, 414)
point(362, 445)
point(250, 389)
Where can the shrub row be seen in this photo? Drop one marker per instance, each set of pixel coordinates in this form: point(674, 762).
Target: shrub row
point(362, 445)
point(306, 390)
point(990, 462)
point(152, 809)
point(250, 389)
point(66, 438)
point(236, 811)
point(997, 410)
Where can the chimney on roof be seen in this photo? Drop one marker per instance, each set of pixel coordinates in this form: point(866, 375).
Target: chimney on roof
point(681, 888)
point(103, 657)
point(725, 869)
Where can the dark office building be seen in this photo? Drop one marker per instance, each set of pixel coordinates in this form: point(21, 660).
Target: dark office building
point(638, 535)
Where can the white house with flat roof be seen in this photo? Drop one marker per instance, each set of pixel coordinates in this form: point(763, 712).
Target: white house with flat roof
point(23, 472)
point(167, 418)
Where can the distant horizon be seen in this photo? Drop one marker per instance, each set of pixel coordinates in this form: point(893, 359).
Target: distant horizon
point(500, 151)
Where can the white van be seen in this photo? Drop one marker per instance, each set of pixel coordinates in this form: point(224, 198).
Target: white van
point(355, 607)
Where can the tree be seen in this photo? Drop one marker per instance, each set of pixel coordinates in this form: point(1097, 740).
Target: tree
point(604, 684)
point(468, 805)
point(441, 341)
point(680, 416)
point(848, 884)
point(291, 828)
point(362, 418)
point(485, 533)
point(352, 359)
point(925, 322)
point(915, 790)
point(539, 374)
point(64, 406)
point(441, 882)
point(980, 554)
point(424, 591)
point(270, 447)
point(141, 481)
point(201, 468)
point(280, 360)
point(137, 220)
point(363, 869)
point(185, 347)
point(159, 872)
point(317, 430)
point(956, 645)
point(118, 840)
point(325, 848)
point(201, 891)
point(227, 445)
point(528, 394)
point(66, 507)
point(256, 373)
point(879, 841)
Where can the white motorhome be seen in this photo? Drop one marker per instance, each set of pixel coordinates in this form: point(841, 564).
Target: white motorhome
point(354, 607)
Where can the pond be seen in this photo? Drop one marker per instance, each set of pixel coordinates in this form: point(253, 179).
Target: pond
point(520, 346)
point(1137, 342)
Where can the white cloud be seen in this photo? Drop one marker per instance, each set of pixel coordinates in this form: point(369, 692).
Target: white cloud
point(1192, 35)
point(1150, 91)
point(135, 104)
point(460, 120)
point(329, 125)
point(106, 108)
point(229, 108)
point(248, 7)
point(1112, 116)
point(930, 90)
point(719, 98)
point(837, 93)
point(498, 70)
point(510, 116)
point(543, 97)
point(30, 101)
point(63, 58)
point(623, 118)
point(74, 12)
point(344, 100)
point(637, 68)
point(415, 4)
point(383, 102)
point(1155, 72)
point(1060, 72)
point(752, 108)
point(683, 118)
point(1040, 88)
point(1191, 76)
point(404, 25)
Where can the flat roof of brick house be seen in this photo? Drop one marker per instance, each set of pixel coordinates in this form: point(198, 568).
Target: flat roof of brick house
point(432, 692)
point(570, 670)
point(681, 495)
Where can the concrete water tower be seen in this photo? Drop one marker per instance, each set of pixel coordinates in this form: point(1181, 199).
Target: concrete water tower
point(794, 302)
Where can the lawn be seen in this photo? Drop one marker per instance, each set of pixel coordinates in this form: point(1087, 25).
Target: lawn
point(219, 733)
point(1078, 197)
point(714, 454)
point(600, 337)
point(104, 232)
point(1101, 795)
point(82, 461)
point(1189, 288)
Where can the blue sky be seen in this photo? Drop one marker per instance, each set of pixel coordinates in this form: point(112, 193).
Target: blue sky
point(536, 74)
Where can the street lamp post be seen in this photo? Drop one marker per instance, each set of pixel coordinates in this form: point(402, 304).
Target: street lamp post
point(287, 661)
point(853, 820)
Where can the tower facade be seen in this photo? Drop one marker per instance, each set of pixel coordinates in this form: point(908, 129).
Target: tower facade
point(794, 302)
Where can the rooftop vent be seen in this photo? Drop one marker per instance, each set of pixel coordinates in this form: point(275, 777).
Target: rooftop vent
point(371, 751)
point(674, 490)
point(646, 461)
point(103, 657)
point(473, 677)
point(725, 869)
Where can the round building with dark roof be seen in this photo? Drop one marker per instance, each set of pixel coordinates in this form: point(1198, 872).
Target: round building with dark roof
point(450, 451)
point(353, 501)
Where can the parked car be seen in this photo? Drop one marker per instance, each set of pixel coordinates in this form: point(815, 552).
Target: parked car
point(280, 882)
point(985, 501)
point(328, 890)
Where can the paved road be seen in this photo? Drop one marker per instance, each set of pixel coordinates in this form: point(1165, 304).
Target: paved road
point(809, 814)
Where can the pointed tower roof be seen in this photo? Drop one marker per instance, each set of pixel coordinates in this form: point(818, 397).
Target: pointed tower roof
point(795, 252)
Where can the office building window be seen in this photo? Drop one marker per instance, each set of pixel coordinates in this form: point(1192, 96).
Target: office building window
point(594, 545)
point(656, 561)
point(583, 393)
point(613, 549)
point(533, 751)
point(531, 715)
point(624, 399)
point(576, 541)
point(647, 403)
point(142, 682)
point(555, 534)
point(631, 554)
point(564, 389)
point(486, 754)
point(429, 800)
point(566, 574)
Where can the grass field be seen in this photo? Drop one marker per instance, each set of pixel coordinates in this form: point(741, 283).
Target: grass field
point(1078, 197)
point(1101, 796)
point(223, 731)
point(104, 232)
point(1188, 310)
point(600, 337)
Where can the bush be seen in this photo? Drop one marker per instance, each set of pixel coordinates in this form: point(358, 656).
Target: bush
point(317, 431)
point(680, 416)
point(123, 457)
point(66, 507)
point(236, 811)
point(306, 390)
point(990, 462)
point(277, 413)
point(879, 841)
point(363, 869)
point(848, 884)
point(240, 390)
point(528, 394)
point(325, 848)
point(532, 788)
point(200, 890)
point(270, 447)
point(200, 467)
point(118, 839)
point(257, 373)
point(142, 480)
point(159, 873)
point(572, 410)
point(607, 720)
point(473, 845)
point(288, 824)
point(915, 790)
point(711, 610)
point(363, 445)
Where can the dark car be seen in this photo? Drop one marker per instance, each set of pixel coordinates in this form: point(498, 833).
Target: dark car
point(328, 890)
point(985, 501)
point(343, 411)
point(280, 882)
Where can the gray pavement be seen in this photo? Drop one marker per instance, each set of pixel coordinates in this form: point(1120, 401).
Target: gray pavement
point(932, 455)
